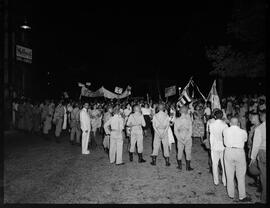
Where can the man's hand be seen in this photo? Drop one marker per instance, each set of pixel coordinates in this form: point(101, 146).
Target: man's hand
point(252, 161)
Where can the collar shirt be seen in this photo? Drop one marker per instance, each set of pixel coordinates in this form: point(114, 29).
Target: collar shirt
point(259, 140)
point(85, 120)
point(136, 121)
point(234, 137)
point(146, 111)
point(183, 127)
point(74, 112)
point(216, 139)
point(116, 124)
point(161, 120)
point(208, 123)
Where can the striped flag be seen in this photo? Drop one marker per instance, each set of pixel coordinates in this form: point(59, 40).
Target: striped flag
point(184, 98)
point(213, 97)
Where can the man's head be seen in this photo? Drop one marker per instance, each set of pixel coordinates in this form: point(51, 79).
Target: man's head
point(218, 114)
point(254, 118)
point(116, 109)
point(137, 109)
point(86, 105)
point(262, 114)
point(161, 107)
point(234, 121)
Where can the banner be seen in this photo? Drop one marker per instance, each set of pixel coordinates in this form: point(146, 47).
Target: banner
point(118, 90)
point(170, 91)
point(213, 97)
point(23, 54)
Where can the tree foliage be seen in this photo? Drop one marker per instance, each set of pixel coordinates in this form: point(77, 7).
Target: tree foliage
point(248, 29)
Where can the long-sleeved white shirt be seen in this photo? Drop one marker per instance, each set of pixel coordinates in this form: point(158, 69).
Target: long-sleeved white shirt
point(235, 137)
point(85, 120)
point(259, 140)
point(216, 138)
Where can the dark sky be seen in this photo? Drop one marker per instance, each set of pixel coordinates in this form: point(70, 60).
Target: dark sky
point(76, 41)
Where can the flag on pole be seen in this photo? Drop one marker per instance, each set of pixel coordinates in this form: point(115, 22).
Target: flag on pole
point(213, 97)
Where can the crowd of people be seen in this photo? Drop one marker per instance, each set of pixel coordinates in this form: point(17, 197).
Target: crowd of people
point(233, 135)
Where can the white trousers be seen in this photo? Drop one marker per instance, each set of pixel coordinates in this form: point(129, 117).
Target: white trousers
point(85, 140)
point(216, 156)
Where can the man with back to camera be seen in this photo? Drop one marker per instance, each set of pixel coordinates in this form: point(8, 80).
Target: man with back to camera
point(161, 123)
point(136, 122)
point(216, 145)
point(235, 159)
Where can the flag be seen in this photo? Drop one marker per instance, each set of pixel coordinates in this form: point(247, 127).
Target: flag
point(213, 97)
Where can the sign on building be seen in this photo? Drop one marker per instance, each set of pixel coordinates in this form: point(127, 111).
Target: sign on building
point(23, 54)
point(118, 90)
point(170, 91)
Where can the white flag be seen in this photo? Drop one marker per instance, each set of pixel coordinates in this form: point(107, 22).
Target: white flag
point(213, 97)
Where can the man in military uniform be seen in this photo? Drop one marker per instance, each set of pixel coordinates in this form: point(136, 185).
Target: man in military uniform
point(161, 123)
point(183, 132)
point(75, 125)
point(58, 120)
point(136, 122)
point(114, 126)
point(106, 140)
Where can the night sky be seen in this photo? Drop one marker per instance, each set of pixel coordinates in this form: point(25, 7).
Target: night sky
point(78, 42)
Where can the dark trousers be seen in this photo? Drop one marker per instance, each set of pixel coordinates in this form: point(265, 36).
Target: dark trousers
point(262, 166)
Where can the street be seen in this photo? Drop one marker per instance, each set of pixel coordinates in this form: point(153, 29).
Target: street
point(41, 171)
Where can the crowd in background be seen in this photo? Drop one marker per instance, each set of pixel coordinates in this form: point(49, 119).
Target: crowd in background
point(63, 117)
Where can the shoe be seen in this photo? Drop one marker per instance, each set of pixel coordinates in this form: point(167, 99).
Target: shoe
point(154, 158)
point(130, 156)
point(141, 160)
point(120, 163)
point(179, 162)
point(246, 199)
point(167, 159)
point(188, 168)
point(253, 184)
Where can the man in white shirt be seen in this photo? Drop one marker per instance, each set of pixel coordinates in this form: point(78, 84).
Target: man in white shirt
point(85, 122)
point(259, 152)
point(216, 145)
point(235, 159)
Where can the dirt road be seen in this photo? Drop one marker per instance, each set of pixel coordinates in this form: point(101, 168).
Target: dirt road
point(40, 171)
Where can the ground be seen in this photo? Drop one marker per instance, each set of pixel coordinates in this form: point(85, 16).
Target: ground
point(40, 171)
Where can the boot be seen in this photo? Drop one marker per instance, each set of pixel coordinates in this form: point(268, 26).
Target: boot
point(141, 160)
point(167, 161)
point(179, 162)
point(153, 160)
point(130, 156)
point(188, 168)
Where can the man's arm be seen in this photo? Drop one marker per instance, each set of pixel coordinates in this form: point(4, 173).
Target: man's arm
point(106, 126)
point(256, 143)
point(143, 121)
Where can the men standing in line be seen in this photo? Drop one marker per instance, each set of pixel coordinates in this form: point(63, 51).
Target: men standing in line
point(114, 127)
point(161, 123)
point(183, 132)
point(136, 122)
point(58, 120)
point(235, 159)
point(216, 145)
point(259, 152)
point(85, 123)
point(75, 125)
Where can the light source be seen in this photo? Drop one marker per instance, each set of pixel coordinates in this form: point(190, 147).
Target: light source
point(25, 26)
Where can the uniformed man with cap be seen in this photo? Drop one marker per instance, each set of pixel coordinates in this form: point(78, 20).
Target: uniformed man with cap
point(136, 122)
point(183, 132)
point(161, 123)
point(114, 127)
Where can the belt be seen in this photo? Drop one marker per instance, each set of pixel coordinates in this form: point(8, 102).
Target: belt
point(234, 147)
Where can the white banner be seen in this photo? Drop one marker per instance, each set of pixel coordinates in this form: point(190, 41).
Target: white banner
point(23, 54)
